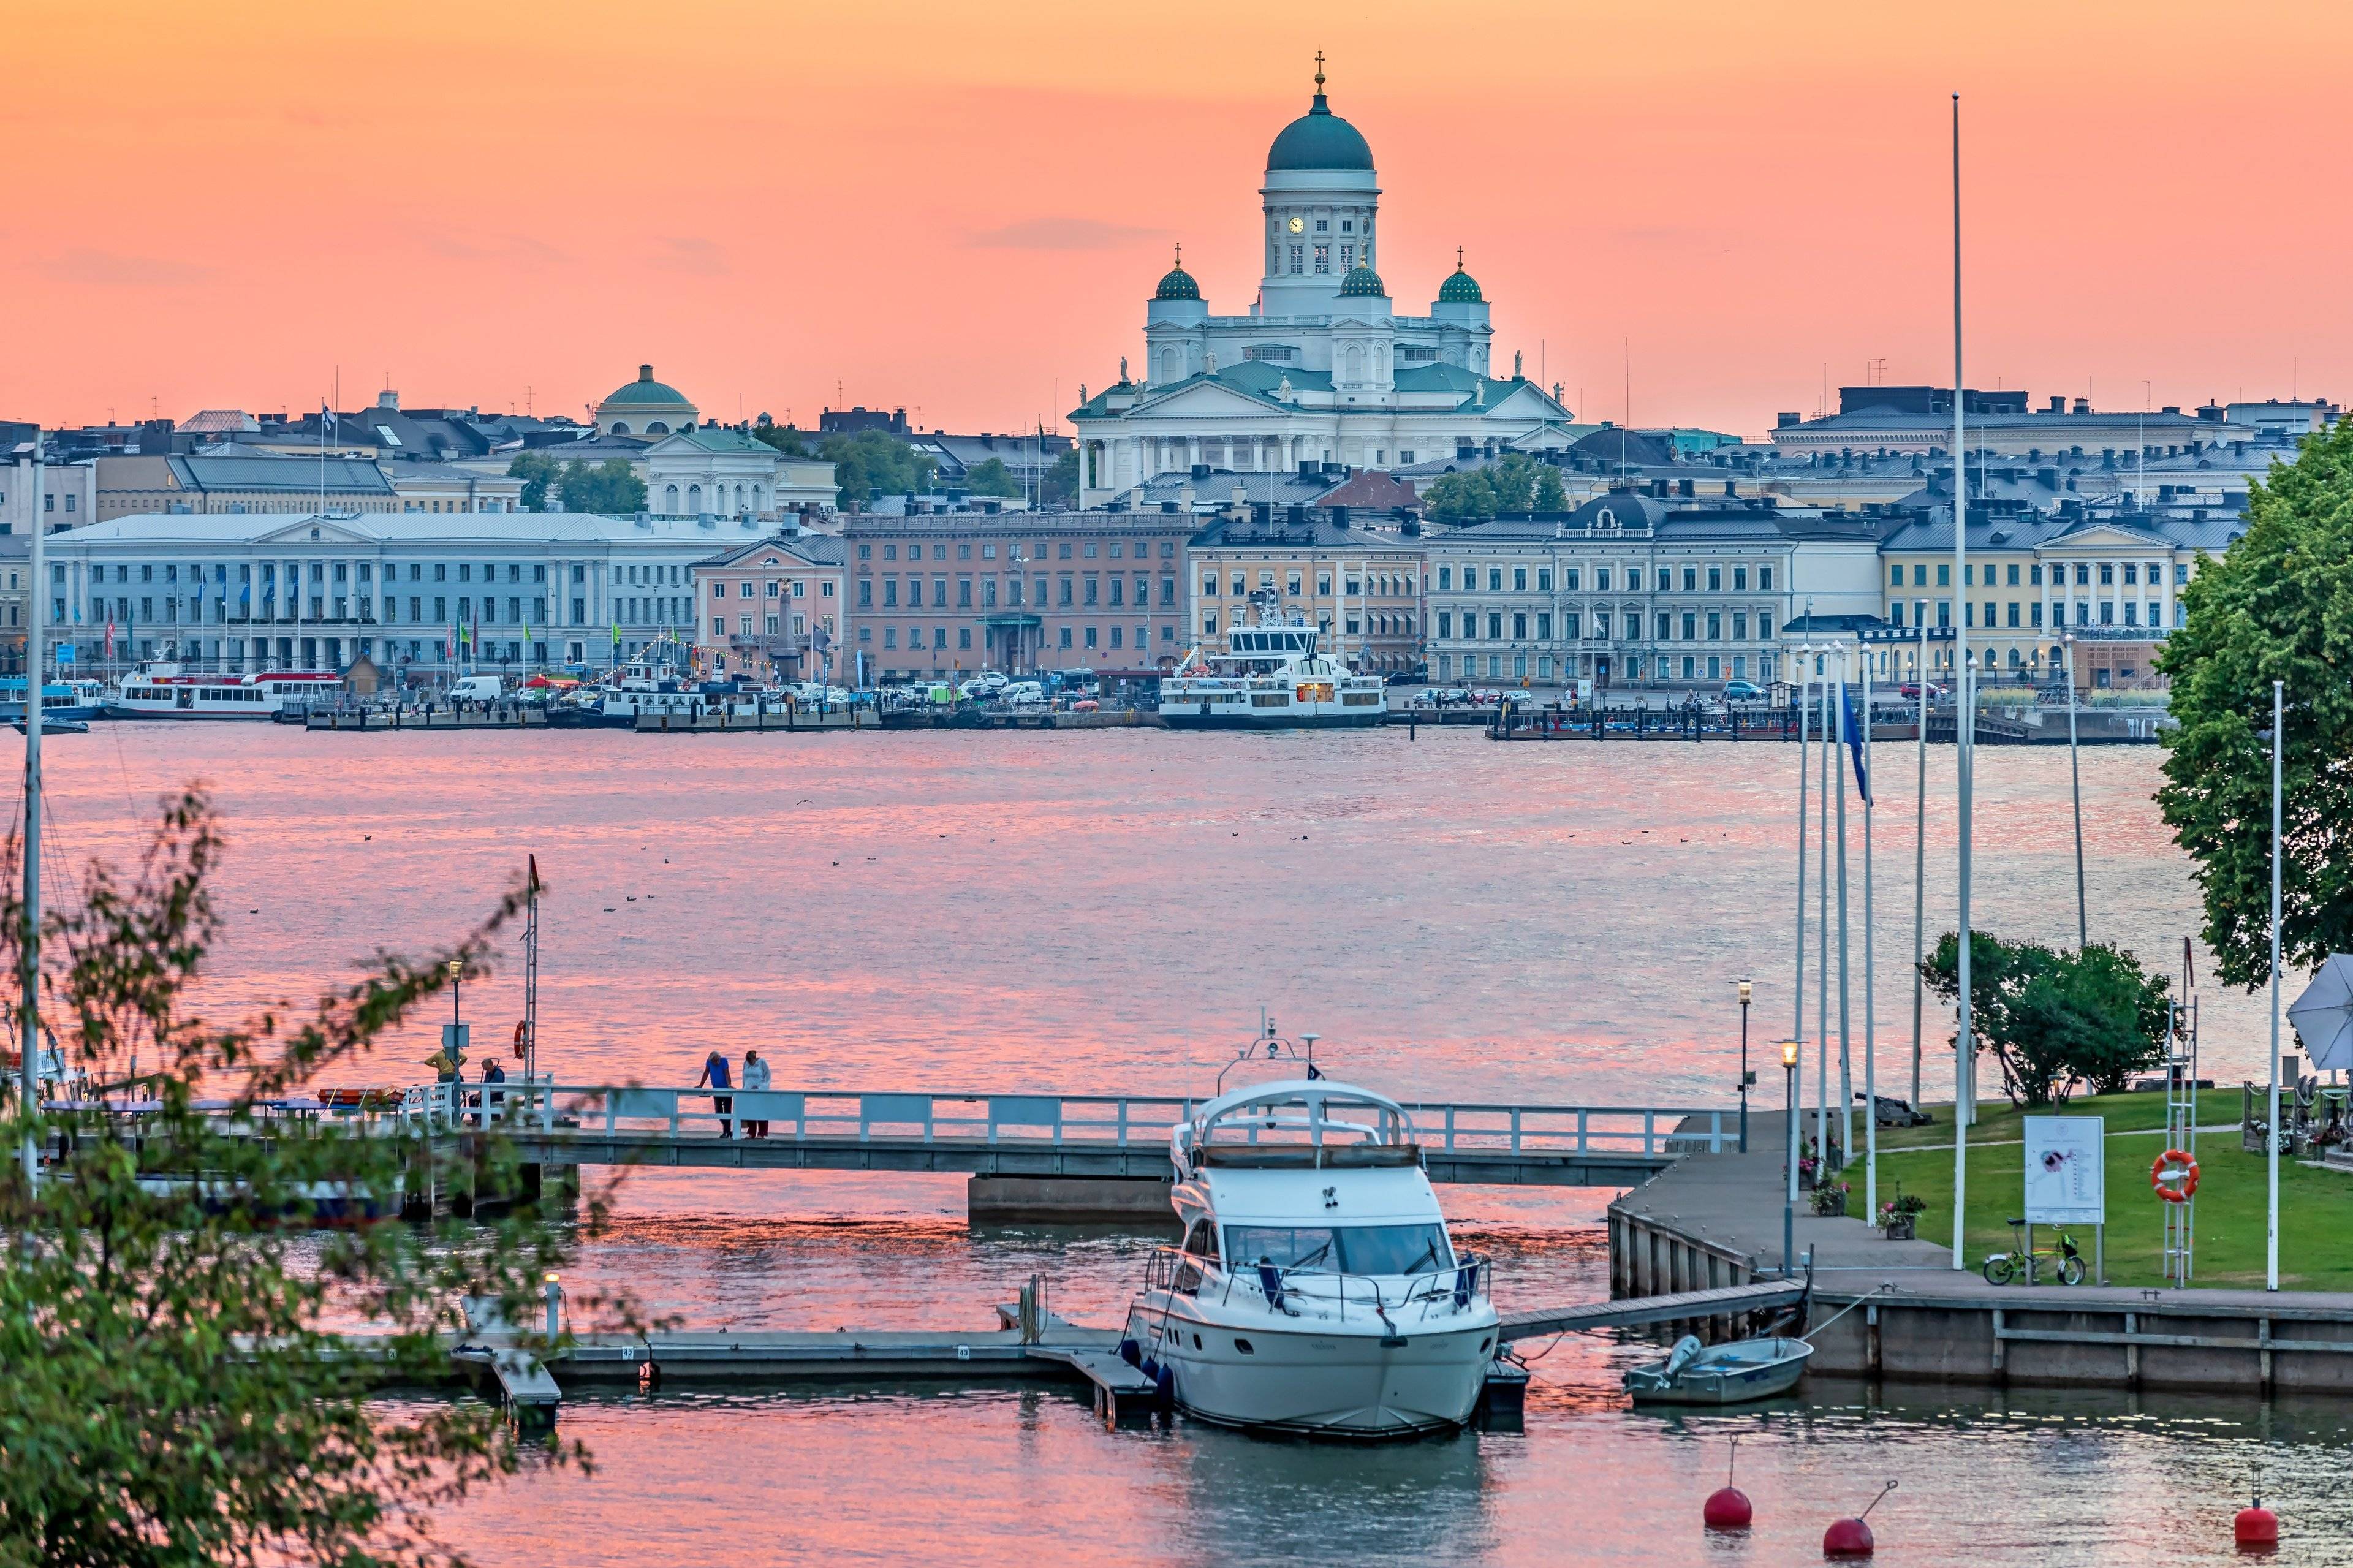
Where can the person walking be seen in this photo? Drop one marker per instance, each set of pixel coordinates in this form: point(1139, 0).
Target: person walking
point(755, 1076)
point(715, 1076)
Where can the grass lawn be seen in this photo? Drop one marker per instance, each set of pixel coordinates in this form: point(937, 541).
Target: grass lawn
point(1998, 1119)
point(2315, 1205)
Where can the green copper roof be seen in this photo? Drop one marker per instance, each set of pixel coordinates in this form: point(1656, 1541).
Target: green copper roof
point(1460, 288)
point(646, 389)
point(1178, 285)
point(1363, 283)
point(1320, 139)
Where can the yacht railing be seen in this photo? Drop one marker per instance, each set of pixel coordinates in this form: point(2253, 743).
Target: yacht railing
point(1467, 1279)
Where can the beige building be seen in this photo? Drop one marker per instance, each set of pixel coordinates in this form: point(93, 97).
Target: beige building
point(1364, 588)
point(770, 609)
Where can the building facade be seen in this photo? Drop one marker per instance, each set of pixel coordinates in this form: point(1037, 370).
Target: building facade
point(68, 496)
point(1363, 588)
point(419, 593)
point(1019, 592)
point(770, 609)
point(645, 407)
point(1321, 367)
point(728, 473)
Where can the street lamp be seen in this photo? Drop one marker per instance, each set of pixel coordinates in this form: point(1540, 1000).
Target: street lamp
point(1789, 1051)
point(1746, 1078)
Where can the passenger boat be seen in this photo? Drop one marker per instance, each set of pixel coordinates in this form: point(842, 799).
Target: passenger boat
point(1730, 1373)
point(1272, 675)
point(164, 690)
point(1316, 1290)
point(60, 700)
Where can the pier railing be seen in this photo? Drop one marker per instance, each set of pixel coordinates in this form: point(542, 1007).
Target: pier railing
point(1047, 1121)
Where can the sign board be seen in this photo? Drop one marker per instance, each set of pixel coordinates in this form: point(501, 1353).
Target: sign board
point(2065, 1170)
point(65, 652)
point(1585, 691)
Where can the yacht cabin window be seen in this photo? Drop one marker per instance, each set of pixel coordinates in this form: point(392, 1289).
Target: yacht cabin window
point(1343, 1249)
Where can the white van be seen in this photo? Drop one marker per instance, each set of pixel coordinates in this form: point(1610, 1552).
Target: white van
point(1021, 691)
point(477, 688)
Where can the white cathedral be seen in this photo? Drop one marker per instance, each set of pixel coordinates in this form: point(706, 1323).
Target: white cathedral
point(1322, 369)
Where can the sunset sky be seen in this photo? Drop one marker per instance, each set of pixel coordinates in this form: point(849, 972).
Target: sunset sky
point(962, 208)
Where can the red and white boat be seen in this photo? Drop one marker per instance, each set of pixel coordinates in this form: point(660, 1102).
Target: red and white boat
point(167, 691)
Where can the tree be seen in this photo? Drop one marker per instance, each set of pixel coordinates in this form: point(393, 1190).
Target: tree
point(537, 470)
point(871, 464)
point(991, 479)
point(174, 1391)
point(1061, 486)
point(1550, 495)
point(2277, 606)
point(2053, 1017)
point(788, 441)
point(1514, 482)
point(610, 489)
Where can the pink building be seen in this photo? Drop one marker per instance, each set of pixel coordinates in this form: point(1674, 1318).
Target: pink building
point(771, 610)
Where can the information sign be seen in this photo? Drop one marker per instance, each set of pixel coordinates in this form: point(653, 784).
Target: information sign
point(2064, 1170)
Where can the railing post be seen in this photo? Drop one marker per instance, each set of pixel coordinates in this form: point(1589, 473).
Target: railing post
point(1584, 1130)
point(1450, 1130)
point(1123, 1122)
point(1650, 1131)
point(1516, 1130)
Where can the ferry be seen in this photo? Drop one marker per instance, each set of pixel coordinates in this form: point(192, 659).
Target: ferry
point(1272, 676)
point(164, 691)
point(1315, 1291)
point(60, 700)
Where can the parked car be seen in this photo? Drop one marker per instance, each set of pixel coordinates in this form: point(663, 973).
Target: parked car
point(1912, 691)
point(1425, 697)
point(1486, 697)
point(1519, 697)
point(1454, 696)
point(1742, 691)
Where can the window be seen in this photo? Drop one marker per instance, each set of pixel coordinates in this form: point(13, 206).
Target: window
point(1690, 580)
point(1715, 626)
point(1661, 625)
point(890, 593)
point(1740, 579)
point(1568, 579)
point(1764, 579)
point(1322, 254)
point(1494, 627)
point(1445, 624)
point(2012, 577)
point(1544, 626)
point(1601, 579)
point(1209, 585)
point(2034, 574)
point(1291, 584)
point(2107, 574)
point(1296, 251)
point(2132, 574)
point(1519, 579)
point(1519, 626)
point(1943, 573)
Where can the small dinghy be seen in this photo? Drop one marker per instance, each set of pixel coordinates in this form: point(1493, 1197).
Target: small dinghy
point(52, 725)
point(1730, 1373)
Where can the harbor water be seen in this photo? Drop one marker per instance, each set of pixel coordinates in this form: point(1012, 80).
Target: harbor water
point(1107, 912)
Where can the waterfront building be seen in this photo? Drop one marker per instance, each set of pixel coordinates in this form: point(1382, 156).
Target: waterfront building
point(15, 604)
point(1891, 419)
point(769, 609)
point(1640, 591)
point(414, 592)
point(1362, 585)
point(208, 487)
point(1019, 592)
point(645, 407)
point(1320, 367)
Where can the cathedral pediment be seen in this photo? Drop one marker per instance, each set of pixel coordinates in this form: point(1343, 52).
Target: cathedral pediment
point(1202, 398)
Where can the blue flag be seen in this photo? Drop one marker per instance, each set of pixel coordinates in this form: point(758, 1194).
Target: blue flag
point(1852, 729)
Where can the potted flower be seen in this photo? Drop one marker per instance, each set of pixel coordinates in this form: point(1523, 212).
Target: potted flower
point(1830, 1198)
point(1899, 1216)
point(1809, 1165)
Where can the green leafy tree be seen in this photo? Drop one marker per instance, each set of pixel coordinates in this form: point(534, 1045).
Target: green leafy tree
point(1061, 487)
point(610, 489)
point(537, 470)
point(2278, 605)
point(1550, 495)
point(871, 464)
point(176, 1386)
point(2052, 1019)
point(991, 479)
point(788, 441)
point(1514, 482)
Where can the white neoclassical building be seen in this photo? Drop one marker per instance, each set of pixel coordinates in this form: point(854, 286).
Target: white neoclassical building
point(720, 472)
point(1320, 368)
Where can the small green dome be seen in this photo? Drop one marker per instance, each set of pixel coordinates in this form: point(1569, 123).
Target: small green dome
point(1363, 283)
point(1320, 139)
point(1460, 288)
point(1178, 285)
point(646, 389)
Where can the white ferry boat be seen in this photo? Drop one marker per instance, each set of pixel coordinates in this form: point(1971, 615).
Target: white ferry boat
point(164, 691)
point(1316, 1290)
point(1272, 675)
point(61, 698)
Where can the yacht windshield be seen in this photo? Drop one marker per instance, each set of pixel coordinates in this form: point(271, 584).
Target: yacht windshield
point(1342, 1249)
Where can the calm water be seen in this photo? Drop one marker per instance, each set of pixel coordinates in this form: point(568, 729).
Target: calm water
point(1108, 911)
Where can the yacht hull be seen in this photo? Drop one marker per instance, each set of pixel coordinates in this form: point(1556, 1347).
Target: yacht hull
point(1323, 1385)
point(1200, 716)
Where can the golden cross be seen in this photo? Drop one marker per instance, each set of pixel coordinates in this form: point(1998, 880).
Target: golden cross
point(1180, 256)
point(1457, 258)
point(1319, 71)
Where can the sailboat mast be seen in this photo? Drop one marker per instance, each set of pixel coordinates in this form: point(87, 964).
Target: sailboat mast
point(29, 946)
point(1964, 723)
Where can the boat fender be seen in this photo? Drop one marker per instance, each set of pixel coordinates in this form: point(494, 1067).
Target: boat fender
point(1165, 1387)
point(1131, 1352)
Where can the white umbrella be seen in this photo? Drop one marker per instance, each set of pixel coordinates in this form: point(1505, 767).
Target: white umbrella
point(2323, 1016)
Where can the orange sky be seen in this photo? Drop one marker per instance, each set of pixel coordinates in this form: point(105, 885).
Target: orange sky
point(955, 207)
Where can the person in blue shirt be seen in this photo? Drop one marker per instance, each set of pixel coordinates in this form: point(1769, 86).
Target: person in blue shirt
point(715, 1076)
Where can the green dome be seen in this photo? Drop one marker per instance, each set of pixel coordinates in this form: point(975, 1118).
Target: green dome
point(1460, 288)
point(1363, 283)
point(646, 389)
point(1178, 285)
point(1320, 139)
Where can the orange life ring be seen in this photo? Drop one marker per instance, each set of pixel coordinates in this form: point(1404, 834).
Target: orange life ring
point(2175, 1176)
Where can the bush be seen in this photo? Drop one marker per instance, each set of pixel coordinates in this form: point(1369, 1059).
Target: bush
point(2054, 1018)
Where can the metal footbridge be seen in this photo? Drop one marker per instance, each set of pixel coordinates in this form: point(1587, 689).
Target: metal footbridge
point(1024, 1135)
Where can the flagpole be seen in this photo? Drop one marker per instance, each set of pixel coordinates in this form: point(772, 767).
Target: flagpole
point(29, 941)
point(1805, 762)
point(1846, 1054)
point(1870, 1047)
point(1964, 723)
point(1920, 857)
point(1822, 934)
point(2271, 1232)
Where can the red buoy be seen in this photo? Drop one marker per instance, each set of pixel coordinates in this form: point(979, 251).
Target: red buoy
point(2256, 1528)
point(1726, 1509)
point(1847, 1538)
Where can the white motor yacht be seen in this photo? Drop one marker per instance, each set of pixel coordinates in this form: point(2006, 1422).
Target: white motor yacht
point(1275, 675)
point(1316, 1290)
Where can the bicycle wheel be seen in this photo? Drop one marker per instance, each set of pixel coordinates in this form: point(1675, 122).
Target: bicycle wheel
point(2071, 1271)
point(1999, 1269)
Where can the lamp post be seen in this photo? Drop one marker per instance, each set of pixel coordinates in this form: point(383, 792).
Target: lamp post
point(1747, 989)
point(1789, 1052)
